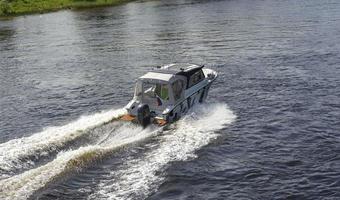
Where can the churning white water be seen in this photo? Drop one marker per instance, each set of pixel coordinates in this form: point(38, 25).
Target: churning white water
point(141, 176)
point(14, 152)
point(138, 178)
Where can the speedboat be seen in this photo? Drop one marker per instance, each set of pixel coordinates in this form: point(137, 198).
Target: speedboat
point(166, 93)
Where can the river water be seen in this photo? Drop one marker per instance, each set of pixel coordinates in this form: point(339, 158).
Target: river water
point(270, 128)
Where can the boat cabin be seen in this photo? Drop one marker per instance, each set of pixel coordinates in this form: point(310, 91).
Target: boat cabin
point(167, 93)
point(166, 85)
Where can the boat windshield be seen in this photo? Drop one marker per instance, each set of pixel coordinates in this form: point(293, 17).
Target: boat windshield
point(153, 94)
point(156, 90)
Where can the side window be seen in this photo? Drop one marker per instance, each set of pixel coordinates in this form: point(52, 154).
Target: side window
point(152, 90)
point(196, 78)
point(162, 91)
point(177, 88)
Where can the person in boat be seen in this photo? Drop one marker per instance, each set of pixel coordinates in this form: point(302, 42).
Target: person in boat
point(158, 91)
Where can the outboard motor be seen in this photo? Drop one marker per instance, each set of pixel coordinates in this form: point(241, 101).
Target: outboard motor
point(143, 115)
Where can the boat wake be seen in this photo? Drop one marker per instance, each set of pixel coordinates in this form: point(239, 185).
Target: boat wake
point(23, 185)
point(140, 176)
point(20, 154)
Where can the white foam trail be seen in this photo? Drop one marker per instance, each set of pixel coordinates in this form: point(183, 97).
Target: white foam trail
point(24, 185)
point(41, 143)
point(139, 178)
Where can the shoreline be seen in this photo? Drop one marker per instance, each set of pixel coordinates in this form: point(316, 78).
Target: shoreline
point(25, 7)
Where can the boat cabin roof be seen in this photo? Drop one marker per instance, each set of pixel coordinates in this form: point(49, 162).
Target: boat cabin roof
point(179, 69)
point(157, 76)
point(167, 73)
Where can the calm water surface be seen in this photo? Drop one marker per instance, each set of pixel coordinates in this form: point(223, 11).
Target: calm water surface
point(270, 128)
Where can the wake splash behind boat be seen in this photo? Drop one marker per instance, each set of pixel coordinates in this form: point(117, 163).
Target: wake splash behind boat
point(20, 154)
point(177, 144)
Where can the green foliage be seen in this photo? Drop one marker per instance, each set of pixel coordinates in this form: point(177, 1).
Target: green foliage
point(84, 0)
point(17, 7)
point(5, 8)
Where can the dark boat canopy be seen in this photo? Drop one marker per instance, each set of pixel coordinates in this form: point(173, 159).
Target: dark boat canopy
point(179, 69)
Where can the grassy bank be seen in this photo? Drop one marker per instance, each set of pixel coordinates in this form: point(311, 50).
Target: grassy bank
point(19, 7)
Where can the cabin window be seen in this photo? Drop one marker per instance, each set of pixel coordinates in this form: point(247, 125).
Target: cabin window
point(177, 88)
point(162, 91)
point(154, 90)
point(138, 89)
point(196, 78)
